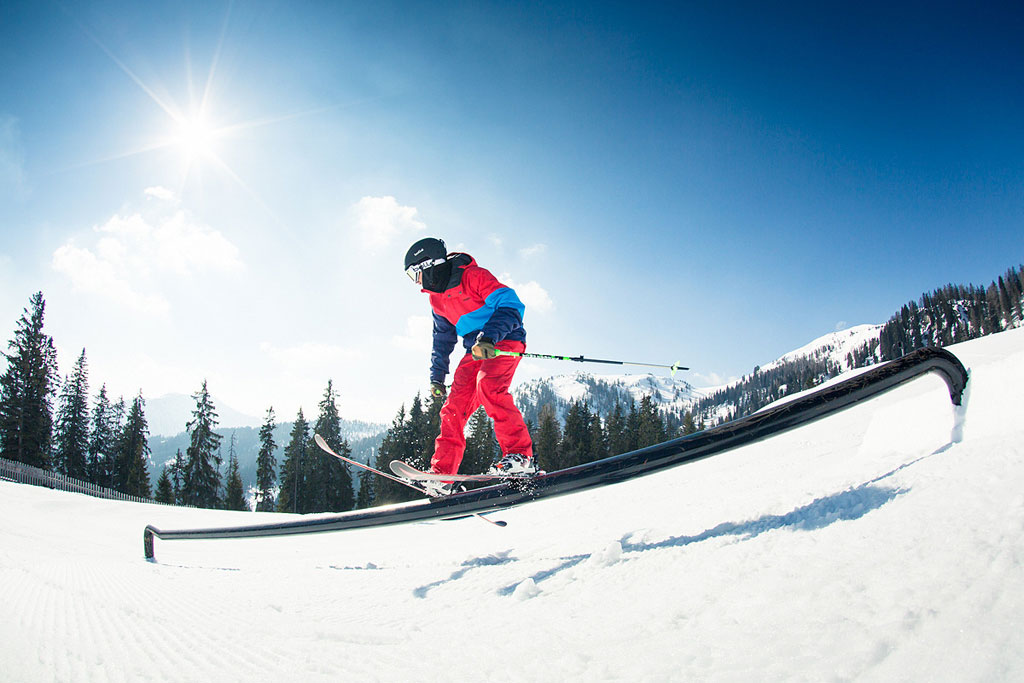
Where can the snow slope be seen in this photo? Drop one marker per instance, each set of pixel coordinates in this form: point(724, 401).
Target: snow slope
point(866, 546)
point(833, 346)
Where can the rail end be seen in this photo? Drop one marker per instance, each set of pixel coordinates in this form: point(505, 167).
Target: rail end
point(147, 542)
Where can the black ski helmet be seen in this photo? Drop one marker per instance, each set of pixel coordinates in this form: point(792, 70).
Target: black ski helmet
point(428, 248)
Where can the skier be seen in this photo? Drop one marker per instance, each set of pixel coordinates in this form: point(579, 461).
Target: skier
point(468, 300)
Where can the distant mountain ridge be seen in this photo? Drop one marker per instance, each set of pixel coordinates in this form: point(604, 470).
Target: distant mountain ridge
point(363, 437)
point(169, 414)
point(812, 363)
point(601, 392)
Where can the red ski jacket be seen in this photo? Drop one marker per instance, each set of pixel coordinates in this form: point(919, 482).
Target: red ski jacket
point(474, 304)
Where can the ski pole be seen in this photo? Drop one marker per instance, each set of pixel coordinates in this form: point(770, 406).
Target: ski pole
point(580, 359)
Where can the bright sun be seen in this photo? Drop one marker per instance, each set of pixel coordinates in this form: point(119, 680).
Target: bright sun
point(195, 137)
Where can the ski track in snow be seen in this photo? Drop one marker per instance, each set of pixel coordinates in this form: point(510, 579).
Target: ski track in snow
point(872, 545)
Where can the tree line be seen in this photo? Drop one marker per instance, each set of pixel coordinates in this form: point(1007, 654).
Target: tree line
point(108, 445)
point(948, 315)
point(310, 481)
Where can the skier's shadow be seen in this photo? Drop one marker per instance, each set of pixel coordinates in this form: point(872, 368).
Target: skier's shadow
point(846, 505)
point(487, 561)
point(851, 504)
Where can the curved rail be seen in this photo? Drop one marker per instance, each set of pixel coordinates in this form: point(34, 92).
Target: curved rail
point(741, 432)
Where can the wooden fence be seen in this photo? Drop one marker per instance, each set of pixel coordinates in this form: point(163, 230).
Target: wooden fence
point(27, 474)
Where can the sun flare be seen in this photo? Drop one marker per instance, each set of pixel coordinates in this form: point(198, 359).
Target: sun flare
point(195, 137)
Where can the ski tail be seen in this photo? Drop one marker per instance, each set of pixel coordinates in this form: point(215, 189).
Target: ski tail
point(322, 443)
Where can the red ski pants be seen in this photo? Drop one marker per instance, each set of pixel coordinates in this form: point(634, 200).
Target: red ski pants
point(481, 383)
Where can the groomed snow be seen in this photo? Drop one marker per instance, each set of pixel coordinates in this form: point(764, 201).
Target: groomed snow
point(867, 546)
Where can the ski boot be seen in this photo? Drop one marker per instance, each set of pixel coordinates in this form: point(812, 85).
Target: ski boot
point(514, 464)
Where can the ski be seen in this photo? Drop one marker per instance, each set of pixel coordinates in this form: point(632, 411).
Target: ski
point(404, 482)
point(407, 471)
point(322, 443)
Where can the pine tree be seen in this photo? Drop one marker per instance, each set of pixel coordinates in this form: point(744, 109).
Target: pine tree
point(177, 472)
point(633, 427)
point(549, 435)
point(421, 434)
point(72, 432)
point(651, 428)
point(366, 494)
point(266, 466)
point(619, 440)
point(689, 427)
point(234, 489)
point(164, 489)
point(1005, 307)
point(102, 441)
point(331, 485)
point(481, 445)
point(598, 439)
point(293, 486)
point(27, 389)
point(131, 463)
point(992, 299)
point(576, 435)
point(1016, 294)
point(396, 445)
point(200, 485)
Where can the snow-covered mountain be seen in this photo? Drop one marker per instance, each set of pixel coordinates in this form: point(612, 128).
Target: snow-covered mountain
point(167, 415)
point(602, 392)
point(834, 347)
point(675, 395)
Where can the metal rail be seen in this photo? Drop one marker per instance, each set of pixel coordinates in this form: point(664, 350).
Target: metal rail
point(747, 430)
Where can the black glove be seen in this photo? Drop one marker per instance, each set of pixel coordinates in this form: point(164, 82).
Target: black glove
point(437, 390)
point(484, 349)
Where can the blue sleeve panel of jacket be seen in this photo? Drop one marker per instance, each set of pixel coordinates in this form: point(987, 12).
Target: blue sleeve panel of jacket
point(501, 314)
point(445, 338)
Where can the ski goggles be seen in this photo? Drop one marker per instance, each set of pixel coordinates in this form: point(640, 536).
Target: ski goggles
point(414, 270)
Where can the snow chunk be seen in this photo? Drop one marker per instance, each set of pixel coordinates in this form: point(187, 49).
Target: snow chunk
point(607, 557)
point(526, 590)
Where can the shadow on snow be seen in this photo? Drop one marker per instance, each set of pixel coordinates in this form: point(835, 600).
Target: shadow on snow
point(847, 505)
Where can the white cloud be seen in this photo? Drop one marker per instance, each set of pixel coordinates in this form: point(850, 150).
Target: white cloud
point(310, 355)
point(379, 221)
point(535, 250)
point(91, 273)
point(161, 193)
point(418, 333)
point(531, 293)
point(138, 260)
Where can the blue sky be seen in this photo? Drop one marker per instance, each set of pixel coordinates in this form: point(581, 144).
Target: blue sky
point(225, 191)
